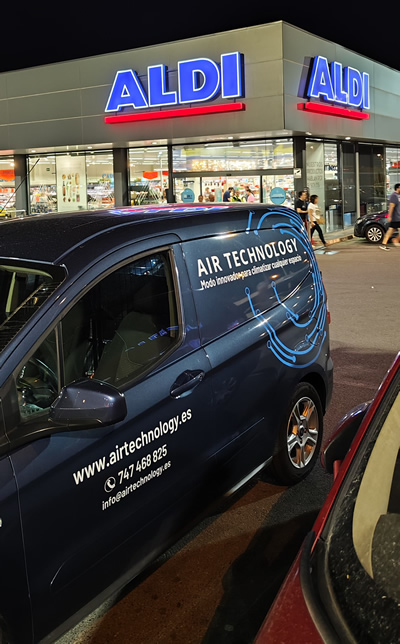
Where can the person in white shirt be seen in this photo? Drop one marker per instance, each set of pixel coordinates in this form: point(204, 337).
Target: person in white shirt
point(314, 214)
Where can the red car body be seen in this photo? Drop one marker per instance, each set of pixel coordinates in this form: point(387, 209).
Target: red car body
point(294, 616)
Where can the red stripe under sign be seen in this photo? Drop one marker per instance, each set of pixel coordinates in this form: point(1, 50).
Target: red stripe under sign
point(183, 111)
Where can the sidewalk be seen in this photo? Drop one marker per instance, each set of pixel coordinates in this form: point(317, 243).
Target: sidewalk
point(335, 237)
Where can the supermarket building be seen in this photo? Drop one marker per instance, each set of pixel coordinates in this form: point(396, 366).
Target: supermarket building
point(271, 107)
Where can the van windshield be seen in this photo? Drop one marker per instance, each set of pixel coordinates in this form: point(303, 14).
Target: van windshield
point(24, 287)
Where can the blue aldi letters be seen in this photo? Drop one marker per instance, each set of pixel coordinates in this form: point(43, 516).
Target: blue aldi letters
point(199, 79)
point(334, 83)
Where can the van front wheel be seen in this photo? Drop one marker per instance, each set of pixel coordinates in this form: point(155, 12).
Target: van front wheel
point(300, 436)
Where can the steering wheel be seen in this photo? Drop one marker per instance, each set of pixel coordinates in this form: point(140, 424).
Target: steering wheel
point(41, 387)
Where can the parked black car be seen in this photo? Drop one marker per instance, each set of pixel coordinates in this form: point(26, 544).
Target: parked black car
point(372, 227)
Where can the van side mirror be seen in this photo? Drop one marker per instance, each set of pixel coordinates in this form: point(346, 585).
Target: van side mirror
point(86, 404)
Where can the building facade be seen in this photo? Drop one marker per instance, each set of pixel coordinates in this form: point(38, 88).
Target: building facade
point(270, 107)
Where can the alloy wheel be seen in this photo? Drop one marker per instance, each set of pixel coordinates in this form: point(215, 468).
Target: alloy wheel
point(302, 432)
point(374, 234)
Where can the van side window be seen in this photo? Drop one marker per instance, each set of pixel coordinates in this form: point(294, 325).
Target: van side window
point(235, 276)
point(119, 330)
point(38, 382)
point(124, 325)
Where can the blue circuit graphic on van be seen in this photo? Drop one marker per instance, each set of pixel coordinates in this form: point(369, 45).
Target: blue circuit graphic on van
point(305, 353)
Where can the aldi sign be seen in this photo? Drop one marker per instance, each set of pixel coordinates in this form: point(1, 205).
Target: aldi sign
point(332, 83)
point(199, 80)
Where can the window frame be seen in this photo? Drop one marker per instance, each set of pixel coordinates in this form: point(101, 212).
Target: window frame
point(56, 327)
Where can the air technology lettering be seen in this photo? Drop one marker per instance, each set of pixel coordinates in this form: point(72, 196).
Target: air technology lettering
point(199, 80)
point(333, 83)
point(245, 256)
point(274, 263)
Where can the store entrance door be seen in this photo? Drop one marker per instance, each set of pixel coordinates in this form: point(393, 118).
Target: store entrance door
point(212, 187)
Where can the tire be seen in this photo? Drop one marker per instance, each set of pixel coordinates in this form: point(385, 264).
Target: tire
point(374, 234)
point(300, 436)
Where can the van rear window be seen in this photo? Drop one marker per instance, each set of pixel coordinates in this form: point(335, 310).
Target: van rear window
point(236, 276)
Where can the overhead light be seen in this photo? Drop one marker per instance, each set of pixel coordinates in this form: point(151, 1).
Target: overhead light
point(347, 138)
point(308, 133)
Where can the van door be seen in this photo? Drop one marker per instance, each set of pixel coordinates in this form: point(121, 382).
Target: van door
point(253, 317)
point(98, 504)
point(15, 608)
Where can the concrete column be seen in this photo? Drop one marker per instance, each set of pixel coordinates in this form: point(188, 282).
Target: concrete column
point(121, 187)
point(170, 192)
point(299, 158)
point(21, 183)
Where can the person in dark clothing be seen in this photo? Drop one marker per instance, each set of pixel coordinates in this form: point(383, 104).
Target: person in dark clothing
point(301, 207)
point(227, 195)
point(394, 219)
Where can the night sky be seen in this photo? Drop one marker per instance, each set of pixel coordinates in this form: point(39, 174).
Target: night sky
point(61, 30)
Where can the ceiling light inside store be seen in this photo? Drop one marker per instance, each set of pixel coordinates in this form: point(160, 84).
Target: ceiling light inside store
point(347, 138)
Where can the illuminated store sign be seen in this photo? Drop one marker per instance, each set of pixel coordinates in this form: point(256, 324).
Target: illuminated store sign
point(334, 83)
point(198, 80)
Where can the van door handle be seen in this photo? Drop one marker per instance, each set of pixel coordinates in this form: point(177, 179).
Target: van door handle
point(186, 381)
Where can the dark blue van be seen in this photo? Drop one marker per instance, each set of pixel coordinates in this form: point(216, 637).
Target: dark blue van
point(151, 361)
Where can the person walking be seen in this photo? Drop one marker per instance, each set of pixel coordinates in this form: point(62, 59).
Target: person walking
point(314, 214)
point(394, 218)
point(301, 207)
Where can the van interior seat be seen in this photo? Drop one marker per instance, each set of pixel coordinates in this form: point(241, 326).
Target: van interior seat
point(141, 337)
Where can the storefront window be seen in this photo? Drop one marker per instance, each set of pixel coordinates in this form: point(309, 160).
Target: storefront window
point(349, 183)
point(42, 184)
point(148, 175)
point(315, 165)
point(71, 182)
point(234, 156)
point(333, 199)
point(7, 187)
point(284, 181)
point(372, 179)
point(100, 180)
point(212, 188)
point(392, 169)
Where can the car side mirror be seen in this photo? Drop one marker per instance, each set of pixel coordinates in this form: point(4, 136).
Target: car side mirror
point(87, 403)
point(336, 450)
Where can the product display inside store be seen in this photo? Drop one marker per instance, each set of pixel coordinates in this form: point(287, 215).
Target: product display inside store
point(71, 182)
point(234, 156)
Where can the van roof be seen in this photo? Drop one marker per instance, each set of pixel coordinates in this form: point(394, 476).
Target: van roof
point(50, 237)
